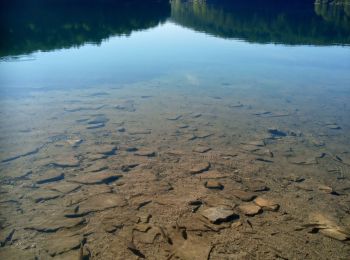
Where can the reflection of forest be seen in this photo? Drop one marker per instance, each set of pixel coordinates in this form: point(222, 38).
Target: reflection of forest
point(31, 25)
point(335, 11)
point(287, 22)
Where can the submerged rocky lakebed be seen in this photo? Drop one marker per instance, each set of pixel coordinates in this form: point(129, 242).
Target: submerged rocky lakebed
point(138, 172)
point(175, 130)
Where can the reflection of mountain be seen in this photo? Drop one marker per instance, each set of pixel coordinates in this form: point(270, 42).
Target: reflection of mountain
point(265, 21)
point(31, 25)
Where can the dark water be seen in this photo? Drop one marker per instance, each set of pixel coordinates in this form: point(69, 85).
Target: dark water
point(124, 98)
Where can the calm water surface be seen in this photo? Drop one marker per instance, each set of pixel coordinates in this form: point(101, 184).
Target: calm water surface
point(265, 85)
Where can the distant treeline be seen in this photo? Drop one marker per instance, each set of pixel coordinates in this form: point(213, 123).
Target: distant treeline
point(268, 21)
point(32, 25)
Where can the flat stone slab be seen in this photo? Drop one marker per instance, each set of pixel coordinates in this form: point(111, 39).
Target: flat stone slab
point(104, 149)
point(49, 176)
point(266, 204)
point(98, 203)
point(201, 149)
point(140, 132)
point(200, 167)
point(213, 174)
point(219, 214)
point(146, 153)
point(194, 250)
point(215, 185)
point(243, 195)
point(96, 178)
point(257, 185)
point(65, 161)
point(42, 195)
point(250, 209)
point(97, 166)
point(63, 187)
point(59, 244)
point(49, 224)
point(174, 117)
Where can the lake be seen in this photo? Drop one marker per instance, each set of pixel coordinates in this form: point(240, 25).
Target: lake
point(197, 129)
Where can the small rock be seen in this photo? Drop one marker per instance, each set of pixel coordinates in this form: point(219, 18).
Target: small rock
point(243, 195)
point(327, 189)
point(201, 149)
point(95, 126)
point(250, 209)
point(128, 106)
point(213, 174)
point(174, 118)
point(105, 149)
point(131, 149)
point(333, 126)
point(213, 185)
point(75, 142)
point(121, 129)
point(219, 214)
point(140, 132)
point(276, 133)
point(146, 153)
point(257, 185)
point(266, 204)
point(200, 167)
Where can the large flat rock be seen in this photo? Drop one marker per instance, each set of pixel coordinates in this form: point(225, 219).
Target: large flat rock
point(49, 176)
point(98, 203)
point(53, 223)
point(96, 178)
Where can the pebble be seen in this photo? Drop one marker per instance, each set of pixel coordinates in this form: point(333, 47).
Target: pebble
point(121, 129)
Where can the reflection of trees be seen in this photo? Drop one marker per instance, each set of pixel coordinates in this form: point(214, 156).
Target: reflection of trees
point(32, 25)
point(335, 11)
point(288, 22)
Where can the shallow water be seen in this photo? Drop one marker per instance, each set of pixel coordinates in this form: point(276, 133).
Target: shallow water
point(121, 128)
